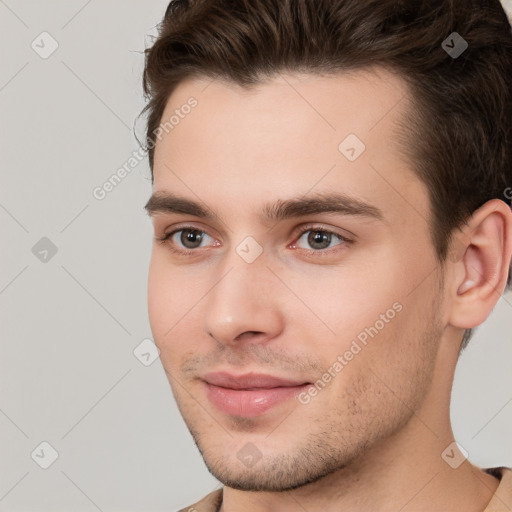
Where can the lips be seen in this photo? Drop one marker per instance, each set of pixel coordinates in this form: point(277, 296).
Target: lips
point(249, 395)
point(250, 381)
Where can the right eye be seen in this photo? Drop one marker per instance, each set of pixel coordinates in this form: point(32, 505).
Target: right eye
point(185, 239)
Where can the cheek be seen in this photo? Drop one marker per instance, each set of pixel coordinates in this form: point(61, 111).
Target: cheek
point(174, 295)
point(169, 298)
point(157, 286)
point(366, 315)
point(347, 304)
point(386, 377)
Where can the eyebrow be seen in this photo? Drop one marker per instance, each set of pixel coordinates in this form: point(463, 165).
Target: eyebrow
point(327, 202)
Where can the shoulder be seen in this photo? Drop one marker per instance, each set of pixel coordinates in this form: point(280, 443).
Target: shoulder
point(210, 503)
point(502, 499)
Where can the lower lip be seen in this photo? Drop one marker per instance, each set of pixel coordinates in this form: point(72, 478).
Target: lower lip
point(250, 403)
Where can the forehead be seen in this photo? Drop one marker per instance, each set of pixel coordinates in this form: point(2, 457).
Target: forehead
point(330, 98)
point(292, 133)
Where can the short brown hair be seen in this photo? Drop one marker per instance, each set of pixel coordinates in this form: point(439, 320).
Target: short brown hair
point(459, 135)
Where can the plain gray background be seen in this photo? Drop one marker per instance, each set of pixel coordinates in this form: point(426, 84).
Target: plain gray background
point(71, 320)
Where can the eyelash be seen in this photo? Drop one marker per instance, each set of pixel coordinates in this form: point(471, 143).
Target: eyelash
point(319, 252)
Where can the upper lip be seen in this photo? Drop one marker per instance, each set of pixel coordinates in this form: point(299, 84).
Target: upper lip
point(249, 381)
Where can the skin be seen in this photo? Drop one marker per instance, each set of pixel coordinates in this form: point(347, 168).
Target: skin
point(372, 439)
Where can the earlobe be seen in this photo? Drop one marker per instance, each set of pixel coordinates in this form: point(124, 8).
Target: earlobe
point(481, 272)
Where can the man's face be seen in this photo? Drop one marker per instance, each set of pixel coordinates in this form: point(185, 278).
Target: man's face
point(259, 295)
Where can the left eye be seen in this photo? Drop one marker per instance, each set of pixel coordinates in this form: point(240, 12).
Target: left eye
point(320, 239)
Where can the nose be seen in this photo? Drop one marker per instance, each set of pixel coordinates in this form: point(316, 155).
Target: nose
point(241, 306)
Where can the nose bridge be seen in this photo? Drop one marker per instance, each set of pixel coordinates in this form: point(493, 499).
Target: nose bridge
point(240, 300)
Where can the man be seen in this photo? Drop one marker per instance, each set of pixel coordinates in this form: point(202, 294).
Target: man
point(332, 217)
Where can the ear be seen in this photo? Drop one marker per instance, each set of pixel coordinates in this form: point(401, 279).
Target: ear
point(480, 261)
